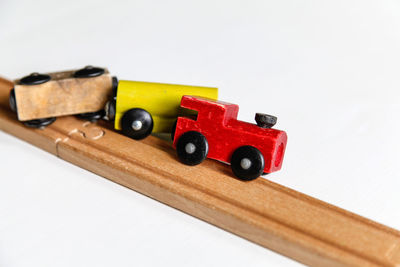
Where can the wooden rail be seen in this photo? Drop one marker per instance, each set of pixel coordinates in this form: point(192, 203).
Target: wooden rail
point(291, 223)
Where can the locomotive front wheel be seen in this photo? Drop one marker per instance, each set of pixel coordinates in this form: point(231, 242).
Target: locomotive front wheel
point(12, 101)
point(247, 163)
point(137, 123)
point(192, 148)
point(92, 116)
point(39, 123)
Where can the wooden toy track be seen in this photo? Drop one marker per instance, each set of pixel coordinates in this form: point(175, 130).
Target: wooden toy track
point(291, 223)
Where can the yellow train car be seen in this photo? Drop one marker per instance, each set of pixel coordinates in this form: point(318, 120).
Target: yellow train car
point(141, 108)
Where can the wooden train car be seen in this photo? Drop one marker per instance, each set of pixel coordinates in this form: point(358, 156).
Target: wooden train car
point(142, 108)
point(39, 98)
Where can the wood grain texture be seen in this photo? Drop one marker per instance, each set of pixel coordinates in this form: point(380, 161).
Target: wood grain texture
point(291, 223)
point(62, 95)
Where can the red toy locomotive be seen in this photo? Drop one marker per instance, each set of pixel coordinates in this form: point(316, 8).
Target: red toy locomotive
point(217, 134)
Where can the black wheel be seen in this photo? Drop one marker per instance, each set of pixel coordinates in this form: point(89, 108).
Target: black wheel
point(137, 123)
point(247, 163)
point(192, 148)
point(88, 72)
point(114, 87)
point(12, 101)
point(39, 123)
point(92, 116)
point(35, 78)
point(110, 109)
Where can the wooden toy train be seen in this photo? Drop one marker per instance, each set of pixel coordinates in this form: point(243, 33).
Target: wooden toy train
point(201, 127)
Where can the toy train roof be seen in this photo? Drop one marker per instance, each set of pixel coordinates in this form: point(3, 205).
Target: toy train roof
point(195, 102)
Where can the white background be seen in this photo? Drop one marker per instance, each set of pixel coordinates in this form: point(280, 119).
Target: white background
point(328, 69)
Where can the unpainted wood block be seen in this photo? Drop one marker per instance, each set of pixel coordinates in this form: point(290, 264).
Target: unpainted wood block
point(62, 95)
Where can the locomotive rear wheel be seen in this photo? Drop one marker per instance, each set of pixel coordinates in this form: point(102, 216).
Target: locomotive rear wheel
point(247, 163)
point(137, 123)
point(192, 148)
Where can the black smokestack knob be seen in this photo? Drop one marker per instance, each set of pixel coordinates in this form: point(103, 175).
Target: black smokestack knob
point(265, 120)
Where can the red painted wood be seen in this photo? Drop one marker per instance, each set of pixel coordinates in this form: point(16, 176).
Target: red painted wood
point(217, 121)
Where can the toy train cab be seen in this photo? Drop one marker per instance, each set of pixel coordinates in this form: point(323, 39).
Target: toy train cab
point(39, 98)
point(217, 134)
point(142, 108)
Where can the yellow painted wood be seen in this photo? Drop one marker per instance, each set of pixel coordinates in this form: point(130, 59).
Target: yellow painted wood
point(161, 100)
